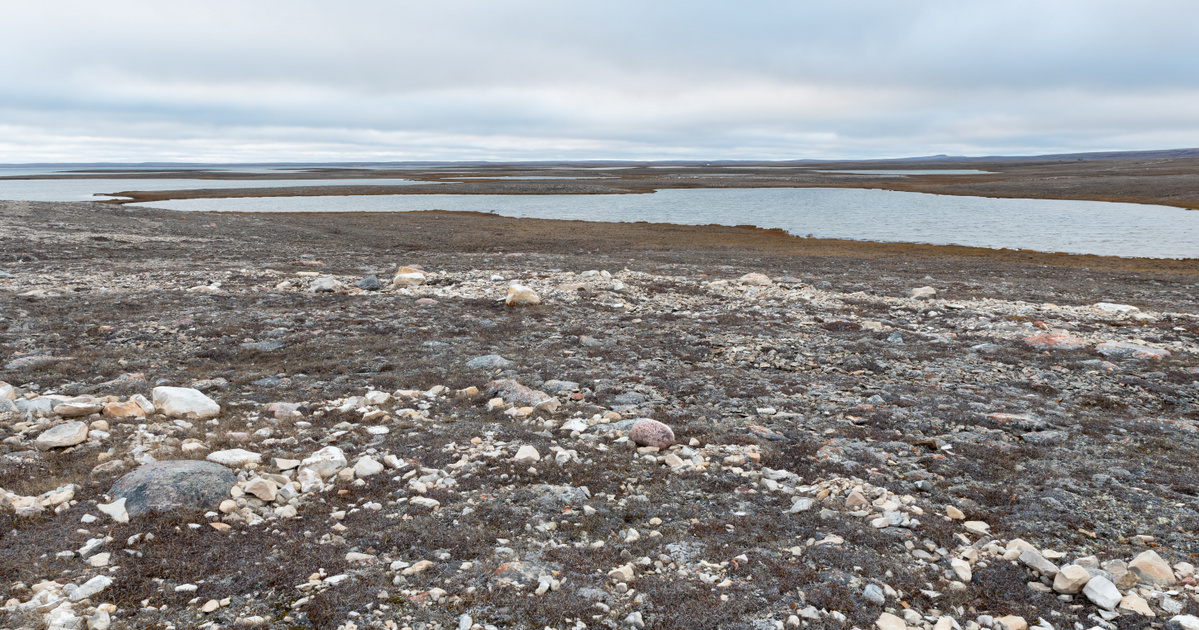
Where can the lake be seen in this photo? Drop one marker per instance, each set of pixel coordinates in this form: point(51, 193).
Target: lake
point(1080, 227)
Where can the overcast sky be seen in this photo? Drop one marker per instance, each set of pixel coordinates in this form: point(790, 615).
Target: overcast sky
point(381, 80)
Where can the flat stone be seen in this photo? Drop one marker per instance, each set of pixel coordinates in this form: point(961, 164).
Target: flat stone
point(1115, 309)
point(978, 528)
point(184, 402)
point(62, 435)
point(234, 457)
point(1125, 350)
point(1055, 340)
point(488, 362)
point(76, 407)
point(756, 280)
point(1033, 559)
point(1152, 569)
point(174, 485)
point(1102, 593)
point(1136, 604)
point(922, 293)
point(647, 432)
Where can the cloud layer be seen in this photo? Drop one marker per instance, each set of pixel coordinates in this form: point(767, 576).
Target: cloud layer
point(381, 80)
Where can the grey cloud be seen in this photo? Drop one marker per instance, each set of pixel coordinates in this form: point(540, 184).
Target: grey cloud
point(551, 79)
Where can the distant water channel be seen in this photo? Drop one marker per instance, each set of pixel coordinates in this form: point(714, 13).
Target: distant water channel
point(1080, 227)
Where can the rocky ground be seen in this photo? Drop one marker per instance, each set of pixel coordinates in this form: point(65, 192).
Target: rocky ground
point(338, 422)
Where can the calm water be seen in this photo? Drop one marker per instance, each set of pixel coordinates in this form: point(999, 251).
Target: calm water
point(1083, 227)
point(927, 171)
point(89, 189)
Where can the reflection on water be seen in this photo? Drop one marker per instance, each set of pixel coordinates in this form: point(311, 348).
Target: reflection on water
point(1084, 227)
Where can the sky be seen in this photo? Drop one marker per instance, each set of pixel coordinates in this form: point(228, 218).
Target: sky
point(388, 80)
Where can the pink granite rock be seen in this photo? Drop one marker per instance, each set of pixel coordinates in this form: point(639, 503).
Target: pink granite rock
point(646, 432)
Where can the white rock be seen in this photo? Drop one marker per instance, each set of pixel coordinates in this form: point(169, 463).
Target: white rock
point(408, 277)
point(116, 510)
point(622, 573)
point(1116, 309)
point(142, 402)
point(62, 618)
point(99, 620)
point(756, 280)
point(325, 462)
point(235, 457)
point(262, 488)
point(961, 568)
point(91, 587)
point(922, 293)
point(325, 284)
point(527, 454)
point(887, 621)
point(520, 294)
point(367, 467)
point(1102, 592)
point(99, 560)
point(63, 435)
point(184, 402)
point(1188, 622)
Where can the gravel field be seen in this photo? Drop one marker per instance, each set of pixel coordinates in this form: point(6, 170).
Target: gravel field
point(311, 421)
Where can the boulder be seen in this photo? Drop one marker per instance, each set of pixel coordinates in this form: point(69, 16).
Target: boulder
point(184, 402)
point(63, 435)
point(1151, 569)
point(188, 485)
point(647, 432)
point(922, 293)
point(369, 283)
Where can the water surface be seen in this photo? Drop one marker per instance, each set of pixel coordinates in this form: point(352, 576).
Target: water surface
point(1050, 225)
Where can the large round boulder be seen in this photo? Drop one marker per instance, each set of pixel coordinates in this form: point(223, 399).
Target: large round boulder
point(174, 485)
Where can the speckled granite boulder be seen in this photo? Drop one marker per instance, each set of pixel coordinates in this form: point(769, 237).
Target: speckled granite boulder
point(171, 485)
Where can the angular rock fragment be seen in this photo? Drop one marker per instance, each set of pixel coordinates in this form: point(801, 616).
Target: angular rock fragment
point(184, 402)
